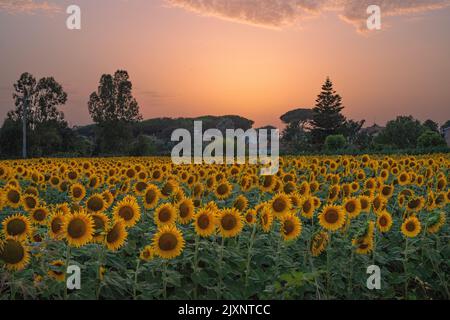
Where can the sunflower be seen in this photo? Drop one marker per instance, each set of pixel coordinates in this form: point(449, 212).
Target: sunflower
point(165, 214)
point(55, 225)
point(250, 216)
point(387, 191)
point(95, 203)
point(403, 178)
point(307, 208)
point(128, 209)
point(267, 183)
point(365, 203)
point(30, 202)
point(108, 197)
point(185, 209)
point(352, 207)
point(39, 215)
point(140, 187)
point(116, 234)
point(280, 205)
point(379, 204)
point(319, 243)
point(384, 221)
point(78, 228)
point(332, 218)
point(147, 254)
point(415, 204)
point(151, 196)
point(437, 224)
point(364, 245)
point(168, 242)
point(266, 219)
point(223, 190)
point(229, 222)
point(291, 227)
point(411, 227)
point(15, 254)
point(240, 203)
point(205, 222)
point(13, 197)
point(169, 189)
point(56, 270)
point(101, 221)
point(17, 226)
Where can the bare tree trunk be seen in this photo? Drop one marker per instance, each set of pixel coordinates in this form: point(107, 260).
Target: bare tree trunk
point(24, 128)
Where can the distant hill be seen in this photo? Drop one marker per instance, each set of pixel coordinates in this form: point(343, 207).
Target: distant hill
point(162, 128)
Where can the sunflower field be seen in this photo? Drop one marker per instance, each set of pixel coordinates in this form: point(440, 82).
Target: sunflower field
point(144, 228)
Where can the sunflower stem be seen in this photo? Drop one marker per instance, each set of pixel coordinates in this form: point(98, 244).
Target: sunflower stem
point(12, 285)
point(136, 273)
point(249, 255)
point(328, 266)
point(219, 291)
point(99, 281)
point(165, 264)
point(195, 267)
point(68, 253)
point(405, 267)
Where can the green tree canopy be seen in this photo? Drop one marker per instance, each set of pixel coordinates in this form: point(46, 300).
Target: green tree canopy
point(43, 97)
point(114, 100)
point(401, 133)
point(327, 118)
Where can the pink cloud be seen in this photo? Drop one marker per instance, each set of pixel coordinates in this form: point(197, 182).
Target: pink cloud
point(282, 13)
point(28, 6)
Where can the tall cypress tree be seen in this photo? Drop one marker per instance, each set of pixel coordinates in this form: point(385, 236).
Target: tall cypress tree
point(327, 117)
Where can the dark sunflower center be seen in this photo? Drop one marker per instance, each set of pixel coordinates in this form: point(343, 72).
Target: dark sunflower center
point(95, 204)
point(126, 213)
point(288, 227)
point(414, 203)
point(39, 215)
point(140, 186)
point(265, 219)
point(410, 226)
point(30, 202)
point(114, 234)
point(14, 196)
point(383, 221)
point(16, 227)
point(228, 222)
point(331, 216)
point(13, 252)
point(150, 196)
point(184, 210)
point(222, 189)
point(167, 242)
point(203, 221)
point(56, 225)
point(76, 228)
point(77, 193)
point(306, 206)
point(350, 207)
point(249, 217)
point(279, 205)
point(164, 215)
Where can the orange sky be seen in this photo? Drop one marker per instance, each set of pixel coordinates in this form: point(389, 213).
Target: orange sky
point(185, 63)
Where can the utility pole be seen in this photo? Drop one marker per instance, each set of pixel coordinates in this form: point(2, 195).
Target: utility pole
point(24, 126)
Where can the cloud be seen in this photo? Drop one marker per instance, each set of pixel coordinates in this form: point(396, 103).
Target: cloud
point(282, 13)
point(28, 6)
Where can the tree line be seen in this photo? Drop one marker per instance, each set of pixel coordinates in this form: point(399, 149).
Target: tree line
point(119, 129)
